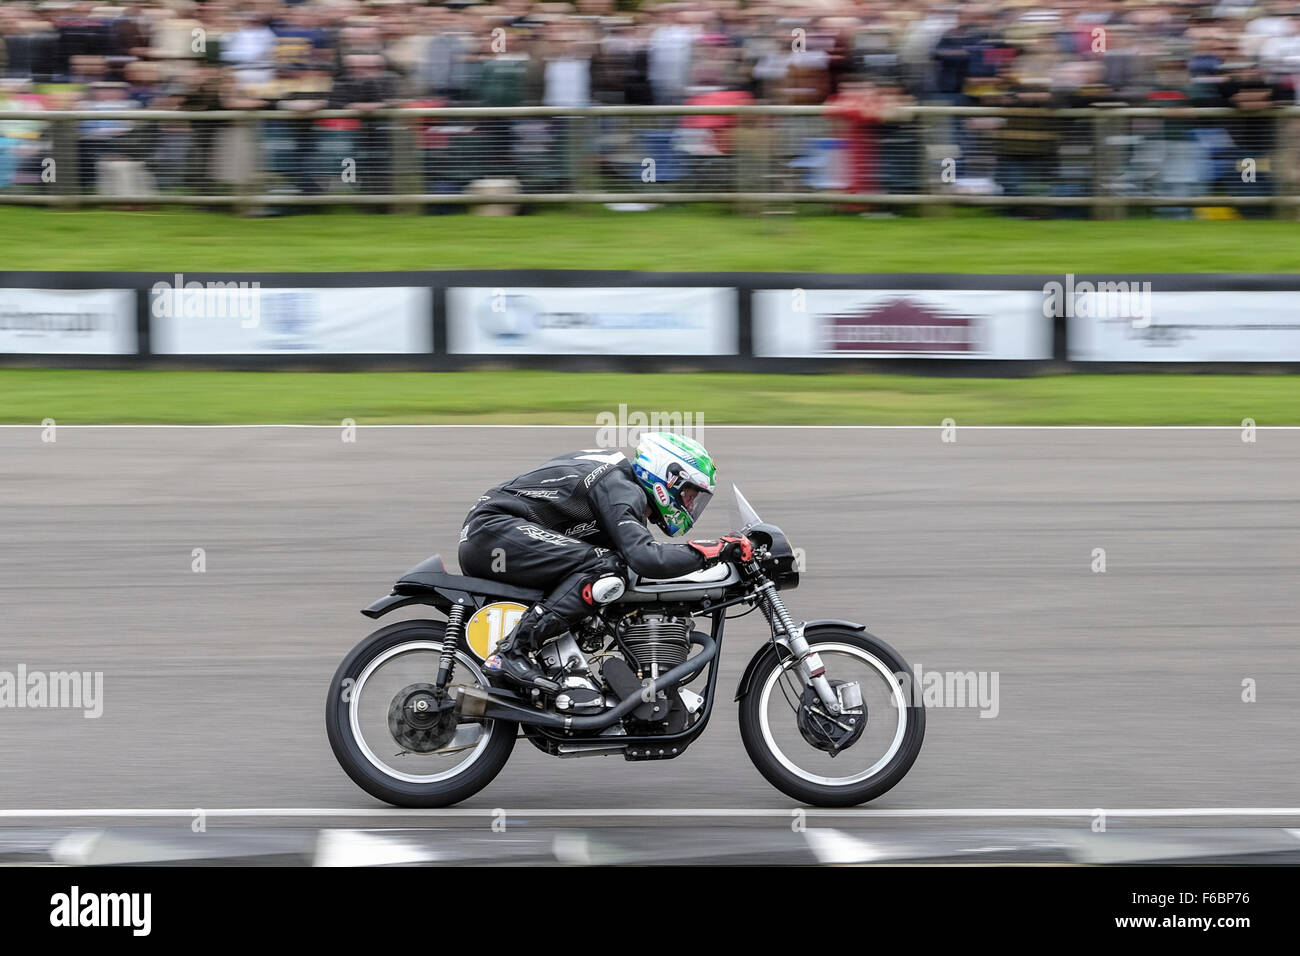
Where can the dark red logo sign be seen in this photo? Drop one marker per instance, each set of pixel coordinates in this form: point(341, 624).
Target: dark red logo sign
point(900, 325)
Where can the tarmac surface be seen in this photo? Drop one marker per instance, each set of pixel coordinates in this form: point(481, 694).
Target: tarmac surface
point(1115, 689)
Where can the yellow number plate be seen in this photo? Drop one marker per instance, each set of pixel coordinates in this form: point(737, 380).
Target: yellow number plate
point(490, 624)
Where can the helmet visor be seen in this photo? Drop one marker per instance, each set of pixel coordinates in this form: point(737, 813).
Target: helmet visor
point(694, 500)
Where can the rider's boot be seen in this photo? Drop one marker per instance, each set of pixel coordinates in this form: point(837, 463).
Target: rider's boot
point(513, 661)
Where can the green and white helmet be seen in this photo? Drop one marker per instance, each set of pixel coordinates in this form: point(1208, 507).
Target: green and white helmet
point(677, 474)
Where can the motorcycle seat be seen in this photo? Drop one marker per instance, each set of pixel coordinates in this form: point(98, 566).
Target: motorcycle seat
point(431, 574)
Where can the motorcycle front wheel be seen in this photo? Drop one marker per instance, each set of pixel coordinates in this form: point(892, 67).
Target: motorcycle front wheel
point(877, 757)
point(375, 689)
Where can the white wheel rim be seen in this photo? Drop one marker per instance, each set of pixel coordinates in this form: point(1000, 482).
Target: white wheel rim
point(354, 704)
point(769, 740)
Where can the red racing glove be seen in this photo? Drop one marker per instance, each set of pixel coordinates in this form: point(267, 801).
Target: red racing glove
point(729, 547)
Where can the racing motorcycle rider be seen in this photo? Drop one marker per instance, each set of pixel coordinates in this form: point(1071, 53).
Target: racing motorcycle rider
point(580, 517)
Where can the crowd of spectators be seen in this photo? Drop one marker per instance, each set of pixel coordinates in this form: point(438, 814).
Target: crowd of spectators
point(867, 59)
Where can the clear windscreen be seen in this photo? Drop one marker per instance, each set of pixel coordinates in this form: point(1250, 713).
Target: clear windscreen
point(748, 516)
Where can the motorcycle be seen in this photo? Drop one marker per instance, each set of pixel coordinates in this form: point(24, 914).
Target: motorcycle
point(828, 712)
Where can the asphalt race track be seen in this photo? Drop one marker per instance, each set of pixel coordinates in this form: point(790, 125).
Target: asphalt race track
point(1115, 689)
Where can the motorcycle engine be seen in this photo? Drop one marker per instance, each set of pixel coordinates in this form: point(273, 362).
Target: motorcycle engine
point(658, 642)
point(563, 661)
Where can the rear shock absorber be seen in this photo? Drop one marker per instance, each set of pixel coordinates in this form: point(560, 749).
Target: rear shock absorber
point(447, 663)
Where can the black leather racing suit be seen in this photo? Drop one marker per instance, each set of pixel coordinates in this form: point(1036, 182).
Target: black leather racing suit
point(560, 527)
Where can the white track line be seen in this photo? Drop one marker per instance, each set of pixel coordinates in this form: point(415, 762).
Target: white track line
point(720, 427)
point(646, 813)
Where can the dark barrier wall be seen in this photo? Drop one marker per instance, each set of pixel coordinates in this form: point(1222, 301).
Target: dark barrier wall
point(936, 323)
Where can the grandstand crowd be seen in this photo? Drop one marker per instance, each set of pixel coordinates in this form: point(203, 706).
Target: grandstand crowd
point(869, 61)
point(189, 55)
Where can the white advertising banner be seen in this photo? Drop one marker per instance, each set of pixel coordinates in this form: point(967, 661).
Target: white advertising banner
point(1195, 327)
point(901, 323)
point(245, 319)
point(613, 321)
point(67, 321)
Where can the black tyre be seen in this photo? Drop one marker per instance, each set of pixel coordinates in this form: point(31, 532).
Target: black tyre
point(365, 748)
point(885, 749)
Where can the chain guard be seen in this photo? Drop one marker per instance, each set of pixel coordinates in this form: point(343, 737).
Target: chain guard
point(416, 722)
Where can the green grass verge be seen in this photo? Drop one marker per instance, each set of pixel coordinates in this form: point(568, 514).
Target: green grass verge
point(168, 240)
point(207, 397)
point(171, 240)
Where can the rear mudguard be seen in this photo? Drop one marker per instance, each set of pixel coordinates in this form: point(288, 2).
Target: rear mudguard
point(389, 602)
point(441, 598)
point(769, 649)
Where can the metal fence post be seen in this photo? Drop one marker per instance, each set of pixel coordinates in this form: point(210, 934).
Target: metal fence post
point(405, 158)
point(746, 146)
point(773, 173)
point(931, 178)
point(580, 134)
point(247, 181)
point(67, 168)
point(1102, 172)
point(1283, 166)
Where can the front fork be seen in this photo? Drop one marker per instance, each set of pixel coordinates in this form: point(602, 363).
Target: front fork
point(810, 664)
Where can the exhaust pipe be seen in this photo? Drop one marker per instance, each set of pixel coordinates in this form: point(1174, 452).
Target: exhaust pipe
point(475, 702)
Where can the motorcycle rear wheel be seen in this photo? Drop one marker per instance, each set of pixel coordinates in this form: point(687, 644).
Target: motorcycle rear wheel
point(361, 758)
